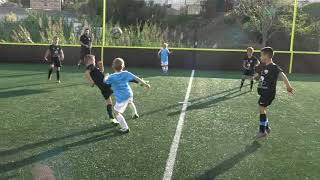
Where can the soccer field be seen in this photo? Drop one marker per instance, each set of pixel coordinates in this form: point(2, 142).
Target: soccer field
point(65, 127)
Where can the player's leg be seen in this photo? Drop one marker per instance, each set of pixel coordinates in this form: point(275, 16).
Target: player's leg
point(264, 102)
point(163, 67)
point(50, 71)
point(242, 81)
point(109, 111)
point(79, 63)
point(58, 68)
point(133, 108)
point(119, 108)
point(251, 83)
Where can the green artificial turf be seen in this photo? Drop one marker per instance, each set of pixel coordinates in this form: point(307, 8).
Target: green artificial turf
point(65, 127)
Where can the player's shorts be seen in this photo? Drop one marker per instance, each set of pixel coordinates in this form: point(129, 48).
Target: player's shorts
point(248, 72)
point(121, 107)
point(56, 62)
point(265, 99)
point(164, 63)
point(84, 52)
point(106, 91)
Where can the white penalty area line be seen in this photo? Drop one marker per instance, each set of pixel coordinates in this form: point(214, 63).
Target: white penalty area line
point(175, 143)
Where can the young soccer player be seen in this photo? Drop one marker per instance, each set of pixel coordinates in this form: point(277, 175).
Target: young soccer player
point(267, 87)
point(56, 56)
point(95, 77)
point(250, 62)
point(164, 56)
point(86, 45)
point(122, 91)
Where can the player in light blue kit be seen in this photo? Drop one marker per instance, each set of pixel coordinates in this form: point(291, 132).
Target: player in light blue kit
point(164, 56)
point(119, 82)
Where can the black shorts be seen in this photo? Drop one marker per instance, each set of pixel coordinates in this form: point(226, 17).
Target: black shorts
point(56, 62)
point(266, 98)
point(106, 92)
point(84, 52)
point(248, 72)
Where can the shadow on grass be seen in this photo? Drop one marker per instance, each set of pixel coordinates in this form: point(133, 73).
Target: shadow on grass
point(210, 100)
point(58, 86)
point(56, 151)
point(227, 164)
point(21, 75)
point(49, 141)
point(21, 92)
point(192, 101)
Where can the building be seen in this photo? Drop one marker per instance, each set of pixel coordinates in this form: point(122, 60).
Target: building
point(46, 4)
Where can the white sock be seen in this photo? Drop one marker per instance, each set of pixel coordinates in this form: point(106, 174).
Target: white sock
point(163, 68)
point(133, 108)
point(167, 68)
point(122, 121)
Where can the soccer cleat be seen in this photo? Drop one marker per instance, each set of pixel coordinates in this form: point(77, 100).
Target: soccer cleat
point(136, 116)
point(268, 130)
point(261, 135)
point(114, 121)
point(58, 81)
point(124, 131)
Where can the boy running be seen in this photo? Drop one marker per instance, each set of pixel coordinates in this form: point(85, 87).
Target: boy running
point(56, 56)
point(122, 91)
point(267, 87)
point(164, 56)
point(250, 62)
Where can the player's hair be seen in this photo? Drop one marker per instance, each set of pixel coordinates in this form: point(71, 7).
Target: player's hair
point(250, 49)
point(86, 29)
point(166, 44)
point(268, 51)
point(118, 64)
point(88, 58)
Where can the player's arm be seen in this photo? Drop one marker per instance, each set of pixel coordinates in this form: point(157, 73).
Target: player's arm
point(286, 82)
point(159, 53)
point(88, 77)
point(244, 65)
point(143, 82)
point(258, 63)
point(46, 54)
point(100, 65)
point(61, 55)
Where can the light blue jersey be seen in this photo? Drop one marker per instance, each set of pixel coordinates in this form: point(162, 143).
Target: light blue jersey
point(119, 82)
point(164, 54)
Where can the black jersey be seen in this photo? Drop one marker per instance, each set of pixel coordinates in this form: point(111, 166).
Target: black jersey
point(55, 51)
point(250, 63)
point(97, 76)
point(85, 40)
point(268, 78)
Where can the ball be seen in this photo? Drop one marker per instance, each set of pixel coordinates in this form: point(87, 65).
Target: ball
point(116, 32)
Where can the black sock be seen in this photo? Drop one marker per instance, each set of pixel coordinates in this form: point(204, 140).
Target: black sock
point(109, 110)
point(58, 75)
point(263, 123)
point(251, 84)
point(49, 73)
point(242, 81)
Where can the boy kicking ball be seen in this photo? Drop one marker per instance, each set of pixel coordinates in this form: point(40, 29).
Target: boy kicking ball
point(95, 77)
point(56, 55)
point(267, 88)
point(122, 91)
point(250, 62)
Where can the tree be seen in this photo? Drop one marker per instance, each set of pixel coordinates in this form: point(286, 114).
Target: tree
point(262, 16)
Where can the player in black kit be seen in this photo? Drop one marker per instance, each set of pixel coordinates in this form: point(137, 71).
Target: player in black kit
point(86, 45)
point(95, 77)
point(250, 62)
point(56, 56)
point(267, 87)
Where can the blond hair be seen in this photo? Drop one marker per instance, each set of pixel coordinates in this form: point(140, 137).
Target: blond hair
point(118, 64)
